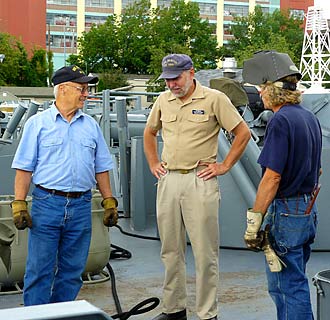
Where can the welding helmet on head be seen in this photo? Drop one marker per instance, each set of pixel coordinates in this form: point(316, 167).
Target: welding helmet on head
point(268, 66)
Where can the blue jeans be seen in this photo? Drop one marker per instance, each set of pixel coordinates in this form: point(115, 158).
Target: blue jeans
point(292, 233)
point(58, 246)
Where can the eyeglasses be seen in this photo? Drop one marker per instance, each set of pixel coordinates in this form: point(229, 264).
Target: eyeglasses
point(81, 89)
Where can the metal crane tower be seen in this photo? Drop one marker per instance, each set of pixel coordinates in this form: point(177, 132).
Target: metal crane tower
point(315, 58)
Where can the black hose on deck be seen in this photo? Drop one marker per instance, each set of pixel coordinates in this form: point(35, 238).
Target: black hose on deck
point(142, 307)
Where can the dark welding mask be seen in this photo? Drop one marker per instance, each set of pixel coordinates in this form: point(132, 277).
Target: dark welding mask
point(268, 66)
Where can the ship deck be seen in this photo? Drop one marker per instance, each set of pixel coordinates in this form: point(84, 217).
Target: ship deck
point(243, 288)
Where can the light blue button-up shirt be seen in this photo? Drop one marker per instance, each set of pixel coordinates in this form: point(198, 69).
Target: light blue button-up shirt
point(63, 155)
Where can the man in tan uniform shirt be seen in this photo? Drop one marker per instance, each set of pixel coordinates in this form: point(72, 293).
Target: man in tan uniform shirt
point(188, 197)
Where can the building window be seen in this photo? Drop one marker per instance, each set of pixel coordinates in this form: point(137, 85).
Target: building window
point(164, 3)
point(209, 9)
point(66, 41)
point(127, 3)
point(99, 3)
point(236, 11)
point(55, 19)
point(94, 20)
point(297, 13)
point(88, 3)
point(63, 2)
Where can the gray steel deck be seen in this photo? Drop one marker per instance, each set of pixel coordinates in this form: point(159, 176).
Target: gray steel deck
point(243, 291)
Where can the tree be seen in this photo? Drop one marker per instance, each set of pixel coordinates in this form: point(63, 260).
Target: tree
point(179, 29)
point(263, 31)
point(137, 40)
point(38, 68)
point(10, 67)
point(17, 69)
point(180, 25)
point(135, 37)
point(98, 48)
point(112, 80)
point(50, 65)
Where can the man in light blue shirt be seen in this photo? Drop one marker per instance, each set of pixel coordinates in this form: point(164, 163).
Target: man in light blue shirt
point(63, 153)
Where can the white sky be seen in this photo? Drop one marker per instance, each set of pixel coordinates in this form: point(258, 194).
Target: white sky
point(325, 4)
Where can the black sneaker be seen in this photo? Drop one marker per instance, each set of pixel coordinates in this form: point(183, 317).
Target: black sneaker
point(180, 315)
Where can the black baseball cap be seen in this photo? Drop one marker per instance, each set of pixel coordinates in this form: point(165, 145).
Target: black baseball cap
point(174, 64)
point(72, 73)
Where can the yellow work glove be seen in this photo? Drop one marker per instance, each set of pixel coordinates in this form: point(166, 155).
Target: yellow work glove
point(273, 260)
point(110, 216)
point(252, 236)
point(21, 216)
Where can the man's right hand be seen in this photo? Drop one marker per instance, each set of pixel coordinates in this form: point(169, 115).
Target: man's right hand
point(110, 216)
point(253, 237)
point(21, 216)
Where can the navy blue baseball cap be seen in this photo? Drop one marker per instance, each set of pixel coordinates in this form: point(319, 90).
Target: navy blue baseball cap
point(174, 64)
point(72, 73)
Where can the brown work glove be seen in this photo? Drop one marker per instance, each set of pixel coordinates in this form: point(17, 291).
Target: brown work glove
point(21, 216)
point(110, 216)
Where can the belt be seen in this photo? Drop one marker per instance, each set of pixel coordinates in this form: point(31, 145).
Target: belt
point(295, 196)
point(185, 171)
point(70, 194)
point(182, 171)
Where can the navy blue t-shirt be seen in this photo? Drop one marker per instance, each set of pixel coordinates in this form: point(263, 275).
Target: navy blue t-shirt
point(292, 148)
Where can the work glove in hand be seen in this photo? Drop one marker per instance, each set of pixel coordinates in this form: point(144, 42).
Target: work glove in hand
point(21, 216)
point(110, 216)
point(273, 261)
point(252, 236)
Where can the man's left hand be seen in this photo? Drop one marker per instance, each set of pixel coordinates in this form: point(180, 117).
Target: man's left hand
point(252, 236)
point(212, 170)
point(110, 216)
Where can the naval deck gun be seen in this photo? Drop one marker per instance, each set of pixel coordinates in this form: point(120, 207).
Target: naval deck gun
point(123, 125)
point(122, 118)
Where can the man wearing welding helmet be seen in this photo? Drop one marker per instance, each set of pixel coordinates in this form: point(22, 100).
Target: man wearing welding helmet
point(284, 205)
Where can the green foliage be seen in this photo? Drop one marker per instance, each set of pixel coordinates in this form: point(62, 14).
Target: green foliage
point(275, 42)
point(10, 67)
point(38, 68)
point(50, 64)
point(76, 60)
point(134, 38)
point(181, 25)
point(17, 69)
point(112, 80)
point(262, 31)
point(136, 41)
point(99, 47)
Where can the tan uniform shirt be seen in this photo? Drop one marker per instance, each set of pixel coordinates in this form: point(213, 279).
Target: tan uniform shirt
point(190, 129)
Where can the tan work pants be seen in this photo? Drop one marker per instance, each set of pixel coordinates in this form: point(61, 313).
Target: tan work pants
point(188, 203)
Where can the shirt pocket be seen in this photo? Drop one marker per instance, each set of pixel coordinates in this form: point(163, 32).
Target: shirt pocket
point(51, 149)
point(88, 148)
point(199, 118)
point(169, 123)
point(198, 124)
